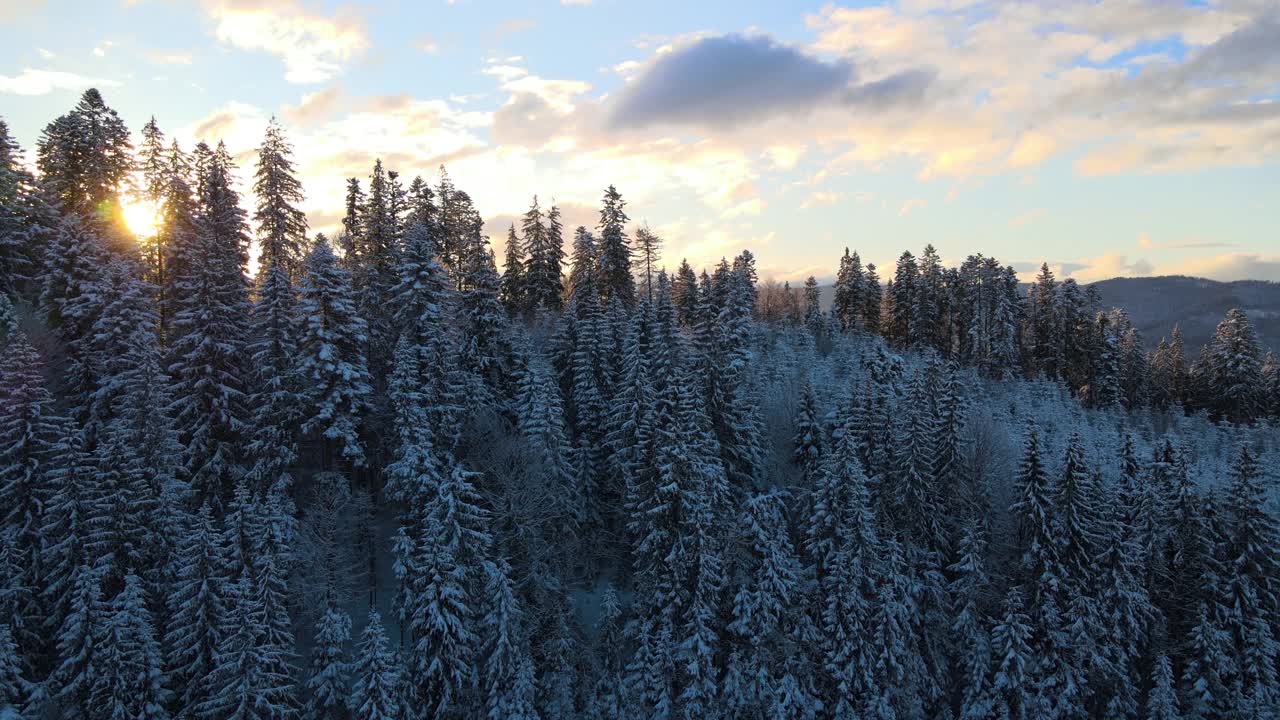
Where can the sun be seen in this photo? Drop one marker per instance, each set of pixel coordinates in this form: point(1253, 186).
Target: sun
point(140, 216)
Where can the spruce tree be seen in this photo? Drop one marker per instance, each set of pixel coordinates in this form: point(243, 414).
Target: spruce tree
point(282, 227)
point(30, 431)
point(210, 317)
point(130, 679)
point(508, 669)
point(1230, 372)
point(513, 289)
point(616, 280)
point(328, 683)
point(198, 607)
point(85, 160)
point(374, 694)
point(331, 355)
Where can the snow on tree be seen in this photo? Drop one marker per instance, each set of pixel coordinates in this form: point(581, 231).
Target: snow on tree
point(1012, 694)
point(513, 289)
point(808, 441)
point(210, 318)
point(842, 542)
point(27, 219)
point(79, 642)
point(198, 613)
point(507, 683)
point(249, 681)
point(328, 683)
point(616, 280)
point(85, 160)
point(486, 350)
point(1229, 371)
point(543, 273)
point(15, 689)
point(129, 679)
point(648, 252)
point(30, 432)
point(766, 633)
point(1162, 700)
point(282, 227)
point(331, 355)
point(376, 672)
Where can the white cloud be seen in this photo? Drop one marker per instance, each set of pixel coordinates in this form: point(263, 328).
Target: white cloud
point(428, 45)
point(171, 57)
point(821, 198)
point(1027, 218)
point(43, 82)
point(45, 54)
point(576, 2)
point(911, 205)
point(313, 47)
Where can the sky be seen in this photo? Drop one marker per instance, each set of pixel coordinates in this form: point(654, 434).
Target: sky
point(1116, 138)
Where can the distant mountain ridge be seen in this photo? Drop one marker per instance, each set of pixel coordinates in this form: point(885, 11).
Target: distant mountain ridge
point(1196, 305)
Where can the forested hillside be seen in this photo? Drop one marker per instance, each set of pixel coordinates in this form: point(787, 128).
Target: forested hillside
point(1195, 305)
point(379, 479)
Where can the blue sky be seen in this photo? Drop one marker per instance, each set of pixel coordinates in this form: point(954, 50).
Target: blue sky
point(1128, 137)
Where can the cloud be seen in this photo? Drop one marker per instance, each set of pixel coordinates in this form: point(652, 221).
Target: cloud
point(314, 106)
point(728, 80)
point(1228, 266)
point(45, 54)
point(910, 205)
point(516, 25)
point(313, 47)
point(576, 2)
point(427, 44)
point(821, 198)
point(1027, 218)
point(171, 57)
point(1146, 243)
point(1087, 270)
point(43, 82)
point(505, 73)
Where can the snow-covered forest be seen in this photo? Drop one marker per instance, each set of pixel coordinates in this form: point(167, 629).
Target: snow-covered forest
point(379, 479)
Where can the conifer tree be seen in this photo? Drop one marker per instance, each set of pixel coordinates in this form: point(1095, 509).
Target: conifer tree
point(85, 160)
point(684, 293)
point(649, 252)
point(813, 308)
point(615, 252)
point(29, 436)
point(210, 316)
point(903, 327)
point(328, 683)
point(15, 689)
point(376, 674)
point(544, 278)
point(130, 675)
point(514, 286)
point(282, 227)
point(27, 220)
point(249, 682)
point(808, 441)
point(871, 297)
point(198, 613)
point(1013, 695)
point(508, 669)
point(373, 270)
point(331, 361)
point(79, 643)
point(1229, 371)
point(1162, 701)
